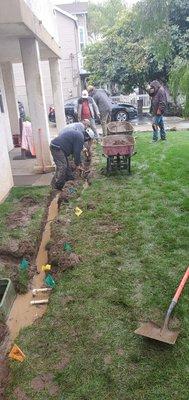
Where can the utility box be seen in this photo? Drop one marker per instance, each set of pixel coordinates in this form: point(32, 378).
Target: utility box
point(7, 297)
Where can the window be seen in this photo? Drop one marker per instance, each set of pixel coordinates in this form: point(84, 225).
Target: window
point(1, 103)
point(81, 37)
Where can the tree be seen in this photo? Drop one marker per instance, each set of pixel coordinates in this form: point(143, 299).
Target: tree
point(123, 57)
point(141, 44)
point(179, 81)
point(102, 16)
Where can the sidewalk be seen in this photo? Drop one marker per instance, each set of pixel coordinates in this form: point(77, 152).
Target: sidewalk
point(23, 170)
point(144, 124)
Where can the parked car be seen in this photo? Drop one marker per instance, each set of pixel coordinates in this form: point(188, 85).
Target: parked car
point(21, 110)
point(120, 111)
point(123, 112)
point(52, 114)
point(70, 107)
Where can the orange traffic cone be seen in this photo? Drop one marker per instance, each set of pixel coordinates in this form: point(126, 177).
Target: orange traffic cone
point(17, 354)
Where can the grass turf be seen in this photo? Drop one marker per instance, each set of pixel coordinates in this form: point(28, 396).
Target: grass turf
point(134, 249)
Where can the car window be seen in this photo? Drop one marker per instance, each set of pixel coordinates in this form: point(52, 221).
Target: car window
point(126, 105)
point(71, 103)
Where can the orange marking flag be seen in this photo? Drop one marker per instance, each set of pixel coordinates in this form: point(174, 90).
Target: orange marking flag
point(17, 354)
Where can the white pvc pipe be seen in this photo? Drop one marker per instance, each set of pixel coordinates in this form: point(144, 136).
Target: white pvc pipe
point(45, 301)
point(34, 291)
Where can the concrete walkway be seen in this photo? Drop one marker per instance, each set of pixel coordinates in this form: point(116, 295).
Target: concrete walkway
point(23, 170)
point(144, 124)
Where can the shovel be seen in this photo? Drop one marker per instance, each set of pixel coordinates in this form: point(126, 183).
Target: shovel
point(164, 334)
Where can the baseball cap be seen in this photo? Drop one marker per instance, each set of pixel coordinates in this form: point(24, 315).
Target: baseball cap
point(85, 94)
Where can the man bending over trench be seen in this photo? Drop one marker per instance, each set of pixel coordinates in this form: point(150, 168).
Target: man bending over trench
point(69, 142)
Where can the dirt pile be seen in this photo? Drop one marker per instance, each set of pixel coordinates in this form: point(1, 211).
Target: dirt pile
point(4, 375)
point(21, 217)
point(58, 257)
point(69, 191)
point(3, 332)
point(45, 383)
point(17, 248)
point(20, 395)
point(56, 254)
point(4, 371)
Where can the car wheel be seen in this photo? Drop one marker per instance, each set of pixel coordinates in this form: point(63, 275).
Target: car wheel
point(122, 116)
point(69, 119)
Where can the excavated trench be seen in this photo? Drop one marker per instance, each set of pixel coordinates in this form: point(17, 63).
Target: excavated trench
point(23, 313)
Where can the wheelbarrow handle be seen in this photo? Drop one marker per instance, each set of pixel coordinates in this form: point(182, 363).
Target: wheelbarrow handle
point(181, 286)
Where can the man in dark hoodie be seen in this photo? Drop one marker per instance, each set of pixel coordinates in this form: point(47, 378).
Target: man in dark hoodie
point(158, 106)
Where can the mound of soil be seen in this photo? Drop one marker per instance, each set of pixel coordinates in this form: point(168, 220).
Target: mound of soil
point(16, 250)
point(22, 216)
point(45, 382)
point(57, 255)
point(4, 375)
point(28, 201)
point(68, 192)
point(62, 259)
point(91, 206)
point(3, 332)
point(4, 371)
point(110, 228)
point(20, 395)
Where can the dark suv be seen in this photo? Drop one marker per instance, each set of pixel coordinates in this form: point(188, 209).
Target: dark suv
point(120, 111)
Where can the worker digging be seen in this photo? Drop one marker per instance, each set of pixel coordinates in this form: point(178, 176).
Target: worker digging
point(70, 142)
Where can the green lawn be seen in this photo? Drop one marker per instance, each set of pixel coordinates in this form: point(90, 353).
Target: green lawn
point(134, 249)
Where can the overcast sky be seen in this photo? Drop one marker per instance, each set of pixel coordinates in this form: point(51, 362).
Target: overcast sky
point(129, 2)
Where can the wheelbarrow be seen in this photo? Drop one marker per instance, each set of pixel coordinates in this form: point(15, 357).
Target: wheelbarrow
point(118, 149)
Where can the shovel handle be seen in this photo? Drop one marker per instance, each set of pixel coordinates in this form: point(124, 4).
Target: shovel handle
point(181, 286)
point(175, 298)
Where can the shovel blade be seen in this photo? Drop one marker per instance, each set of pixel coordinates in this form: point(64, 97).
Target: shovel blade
point(153, 331)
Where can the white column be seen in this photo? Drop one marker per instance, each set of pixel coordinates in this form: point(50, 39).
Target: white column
point(36, 101)
point(10, 92)
point(58, 99)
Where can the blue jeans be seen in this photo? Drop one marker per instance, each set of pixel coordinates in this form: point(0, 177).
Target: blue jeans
point(158, 123)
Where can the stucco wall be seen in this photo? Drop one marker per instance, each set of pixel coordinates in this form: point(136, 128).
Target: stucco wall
point(6, 180)
point(43, 9)
point(5, 117)
point(68, 38)
point(21, 88)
